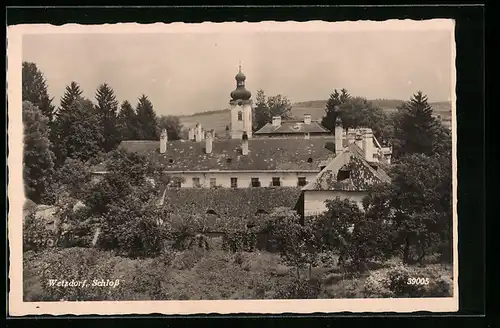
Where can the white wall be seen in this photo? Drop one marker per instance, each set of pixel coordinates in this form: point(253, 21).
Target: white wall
point(223, 179)
point(314, 200)
point(237, 127)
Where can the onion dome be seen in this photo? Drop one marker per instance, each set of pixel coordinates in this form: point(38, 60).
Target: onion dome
point(240, 93)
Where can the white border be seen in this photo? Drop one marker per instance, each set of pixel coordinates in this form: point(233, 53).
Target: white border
point(16, 197)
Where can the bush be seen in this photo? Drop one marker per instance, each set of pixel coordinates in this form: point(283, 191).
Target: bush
point(397, 282)
point(376, 286)
point(298, 289)
point(187, 259)
point(441, 287)
point(36, 236)
point(240, 240)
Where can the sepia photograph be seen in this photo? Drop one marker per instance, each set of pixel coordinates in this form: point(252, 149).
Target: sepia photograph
point(236, 167)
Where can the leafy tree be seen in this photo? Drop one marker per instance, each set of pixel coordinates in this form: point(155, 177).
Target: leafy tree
point(34, 90)
point(80, 135)
point(38, 159)
point(173, 126)
point(343, 229)
point(69, 181)
point(417, 204)
point(331, 109)
point(261, 114)
point(127, 122)
point(147, 120)
point(279, 106)
point(296, 243)
point(106, 109)
point(415, 127)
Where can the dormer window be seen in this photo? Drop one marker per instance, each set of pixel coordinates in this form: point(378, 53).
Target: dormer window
point(309, 160)
point(343, 175)
point(240, 116)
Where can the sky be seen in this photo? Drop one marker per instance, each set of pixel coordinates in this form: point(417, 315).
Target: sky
point(185, 73)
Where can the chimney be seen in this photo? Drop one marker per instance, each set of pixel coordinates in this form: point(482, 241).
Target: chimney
point(368, 145)
point(358, 140)
point(338, 136)
point(276, 120)
point(191, 134)
point(208, 142)
point(244, 143)
point(307, 135)
point(163, 141)
point(203, 132)
point(351, 135)
point(307, 118)
point(197, 132)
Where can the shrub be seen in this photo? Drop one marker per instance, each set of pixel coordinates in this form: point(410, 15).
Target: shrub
point(298, 289)
point(397, 282)
point(376, 286)
point(441, 287)
point(36, 236)
point(187, 259)
point(240, 240)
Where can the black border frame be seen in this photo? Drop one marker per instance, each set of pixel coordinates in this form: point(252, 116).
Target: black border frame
point(470, 91)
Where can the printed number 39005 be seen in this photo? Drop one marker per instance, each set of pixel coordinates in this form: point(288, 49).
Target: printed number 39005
point(417, 281)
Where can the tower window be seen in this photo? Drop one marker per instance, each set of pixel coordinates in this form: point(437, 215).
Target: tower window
point(240, 116)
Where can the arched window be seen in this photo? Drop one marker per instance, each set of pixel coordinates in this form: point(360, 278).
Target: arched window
point(240, 116)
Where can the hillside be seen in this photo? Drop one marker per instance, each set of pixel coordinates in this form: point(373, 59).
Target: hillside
point(218, 119)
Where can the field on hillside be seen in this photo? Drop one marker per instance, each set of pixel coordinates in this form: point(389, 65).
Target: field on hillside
point(219, 119)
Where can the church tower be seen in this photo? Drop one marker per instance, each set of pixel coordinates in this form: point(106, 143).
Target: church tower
point(241, 108)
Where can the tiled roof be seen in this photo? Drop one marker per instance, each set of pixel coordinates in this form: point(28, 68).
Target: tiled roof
point(264, 154)
point(362, 174)
point(292, 126)
point(225, 207)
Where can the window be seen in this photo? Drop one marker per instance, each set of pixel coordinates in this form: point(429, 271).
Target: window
point(240, 116)
point(255, 182)
point(301, 181)
point(309, 160)
point(176, 183)
point(213, 182)
point(322, 167)
point(234, 182)
point(343, 175)
point(276, 182)
point(196, 183)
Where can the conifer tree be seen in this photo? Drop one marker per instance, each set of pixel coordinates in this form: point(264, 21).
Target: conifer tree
point(71, 93)
point(34, 90)
point(106, 110)
point(127, 122)
point(60, 127)
point(261, 114)
point(332, 107)
point(146, 119)
point(80, 132)
point(415, 127)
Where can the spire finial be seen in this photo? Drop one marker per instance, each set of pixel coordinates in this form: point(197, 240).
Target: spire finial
point(240, 66)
